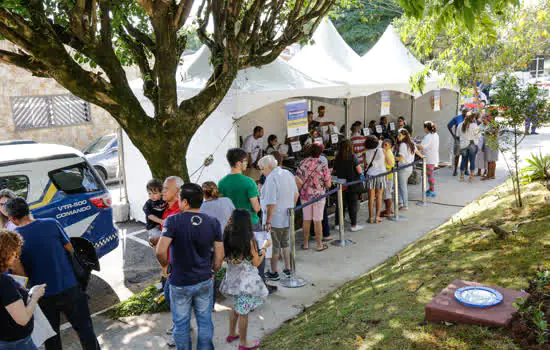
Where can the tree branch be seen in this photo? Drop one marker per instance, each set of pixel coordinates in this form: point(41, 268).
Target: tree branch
point(140, 36)
point(184, 9)
point(26, 62)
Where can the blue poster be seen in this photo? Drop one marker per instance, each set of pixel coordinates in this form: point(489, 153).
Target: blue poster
point(296, 118)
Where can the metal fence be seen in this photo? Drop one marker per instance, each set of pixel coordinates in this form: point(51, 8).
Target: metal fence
point(31, 112)
point(294, 281)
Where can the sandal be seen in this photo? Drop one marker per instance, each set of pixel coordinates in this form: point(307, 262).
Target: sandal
point(471, 179)
point(304, 248)
point(328, 239)
point(371, 220)
point(378, 219)
point(231, 338)
point(462, 178)
point(325, 247)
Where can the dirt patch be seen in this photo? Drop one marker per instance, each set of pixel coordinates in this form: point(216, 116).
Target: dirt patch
point(529, 327)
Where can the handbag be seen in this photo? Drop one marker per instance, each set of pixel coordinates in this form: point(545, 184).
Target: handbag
point(81, 271)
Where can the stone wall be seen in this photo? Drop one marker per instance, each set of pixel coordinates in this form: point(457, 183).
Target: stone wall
point(18, 82)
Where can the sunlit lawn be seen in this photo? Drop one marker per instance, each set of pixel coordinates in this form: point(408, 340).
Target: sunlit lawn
point(385, 307)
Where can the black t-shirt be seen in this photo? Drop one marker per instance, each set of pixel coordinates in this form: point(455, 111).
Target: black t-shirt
point(345, 169)
point(155, 208)
point(193, 236)
point(10, 292)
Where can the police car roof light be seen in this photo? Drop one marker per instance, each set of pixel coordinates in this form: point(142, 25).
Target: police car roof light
point(102, 202)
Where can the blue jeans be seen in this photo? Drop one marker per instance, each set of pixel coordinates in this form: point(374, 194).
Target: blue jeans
point(199, 298)
point(468, 154)
point(23, 344)
point(402, 178)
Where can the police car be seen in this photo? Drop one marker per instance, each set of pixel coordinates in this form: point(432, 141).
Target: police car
point(58, 182)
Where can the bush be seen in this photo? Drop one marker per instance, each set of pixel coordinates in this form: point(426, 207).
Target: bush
point(538, 168)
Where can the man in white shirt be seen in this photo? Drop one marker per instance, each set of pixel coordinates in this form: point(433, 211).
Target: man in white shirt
point(324, 122)
point(279, 194)
point(253, 146)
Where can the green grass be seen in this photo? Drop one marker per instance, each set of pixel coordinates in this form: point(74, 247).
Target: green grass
point(384, 308)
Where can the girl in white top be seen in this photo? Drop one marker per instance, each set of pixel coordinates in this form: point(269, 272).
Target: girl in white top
point(430, 149)
point(375, 164)
point(468, 131)
point(405, 156)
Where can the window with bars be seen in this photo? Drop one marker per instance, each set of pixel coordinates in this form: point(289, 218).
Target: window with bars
point(31, 112)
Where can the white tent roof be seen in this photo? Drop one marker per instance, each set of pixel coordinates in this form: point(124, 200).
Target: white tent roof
point(328, 56)
point(324, 69)
point(252, 89)
point(388, 65)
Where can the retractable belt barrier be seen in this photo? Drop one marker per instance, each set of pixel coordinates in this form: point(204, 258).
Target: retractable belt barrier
point(295, 281)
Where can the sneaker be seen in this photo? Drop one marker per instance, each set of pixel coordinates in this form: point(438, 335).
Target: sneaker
point(271, 289)
point(356, 228)
point(170, 342)
point(403, 208)
point(272, 276)
point(534, 133)
point(170, 330)
point(287, 273)
point(432, 194)
point(455, 173)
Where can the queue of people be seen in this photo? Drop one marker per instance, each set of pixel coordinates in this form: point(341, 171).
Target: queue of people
point(475, 138)
point(36, 253)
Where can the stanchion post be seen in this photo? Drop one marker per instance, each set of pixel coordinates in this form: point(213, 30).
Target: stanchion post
point(424, 202)
point(396, 216)
point(294, 281)
point(342, 242)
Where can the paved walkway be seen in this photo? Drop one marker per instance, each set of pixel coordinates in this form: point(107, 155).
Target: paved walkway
point(325, 271)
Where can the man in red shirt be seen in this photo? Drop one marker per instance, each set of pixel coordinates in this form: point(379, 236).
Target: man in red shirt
point(171, 195)
point(358, 142)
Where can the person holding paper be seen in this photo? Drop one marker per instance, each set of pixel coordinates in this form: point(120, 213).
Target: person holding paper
point(241, 281)
point(279, 194)
point(17, 305)
point(45, 258)
point(323, 122)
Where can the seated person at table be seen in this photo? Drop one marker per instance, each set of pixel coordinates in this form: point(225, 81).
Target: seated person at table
point(286, 150)
point(372, 127)
point(313, 136)
point(271, 144)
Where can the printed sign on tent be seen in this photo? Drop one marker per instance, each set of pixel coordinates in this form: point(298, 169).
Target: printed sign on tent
point(392, 126)
point(379, 129)
point(366, 132)
point(296, 146)
point(334, 138)
point(385, 105)
point(296, 116)
point(437, 100)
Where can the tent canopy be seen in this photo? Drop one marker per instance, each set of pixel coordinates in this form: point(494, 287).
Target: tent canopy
point(328, 68)
point(329, 56)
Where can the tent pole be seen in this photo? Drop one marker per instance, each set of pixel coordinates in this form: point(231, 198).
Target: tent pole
point(346, 115)
point(412, 114)
point(365, 112)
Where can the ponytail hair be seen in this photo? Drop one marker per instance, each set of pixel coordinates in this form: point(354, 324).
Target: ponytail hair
point(430, 126)
point(210, 189)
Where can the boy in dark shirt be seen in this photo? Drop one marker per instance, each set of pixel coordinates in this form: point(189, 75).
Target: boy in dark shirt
point(153, 209)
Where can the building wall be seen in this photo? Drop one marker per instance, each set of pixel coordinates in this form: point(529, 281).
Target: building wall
point(18, 82)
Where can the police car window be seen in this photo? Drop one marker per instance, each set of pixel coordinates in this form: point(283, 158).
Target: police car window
point(17, 183)
point(76, 179)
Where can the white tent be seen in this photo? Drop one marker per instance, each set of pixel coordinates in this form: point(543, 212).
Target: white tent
point(252, 89)
point(388, 65)
point(328, 56)
point(315, 71)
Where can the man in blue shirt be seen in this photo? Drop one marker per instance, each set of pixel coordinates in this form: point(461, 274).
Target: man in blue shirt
point(44, 260)
point(193, 237)
point(452, 126)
